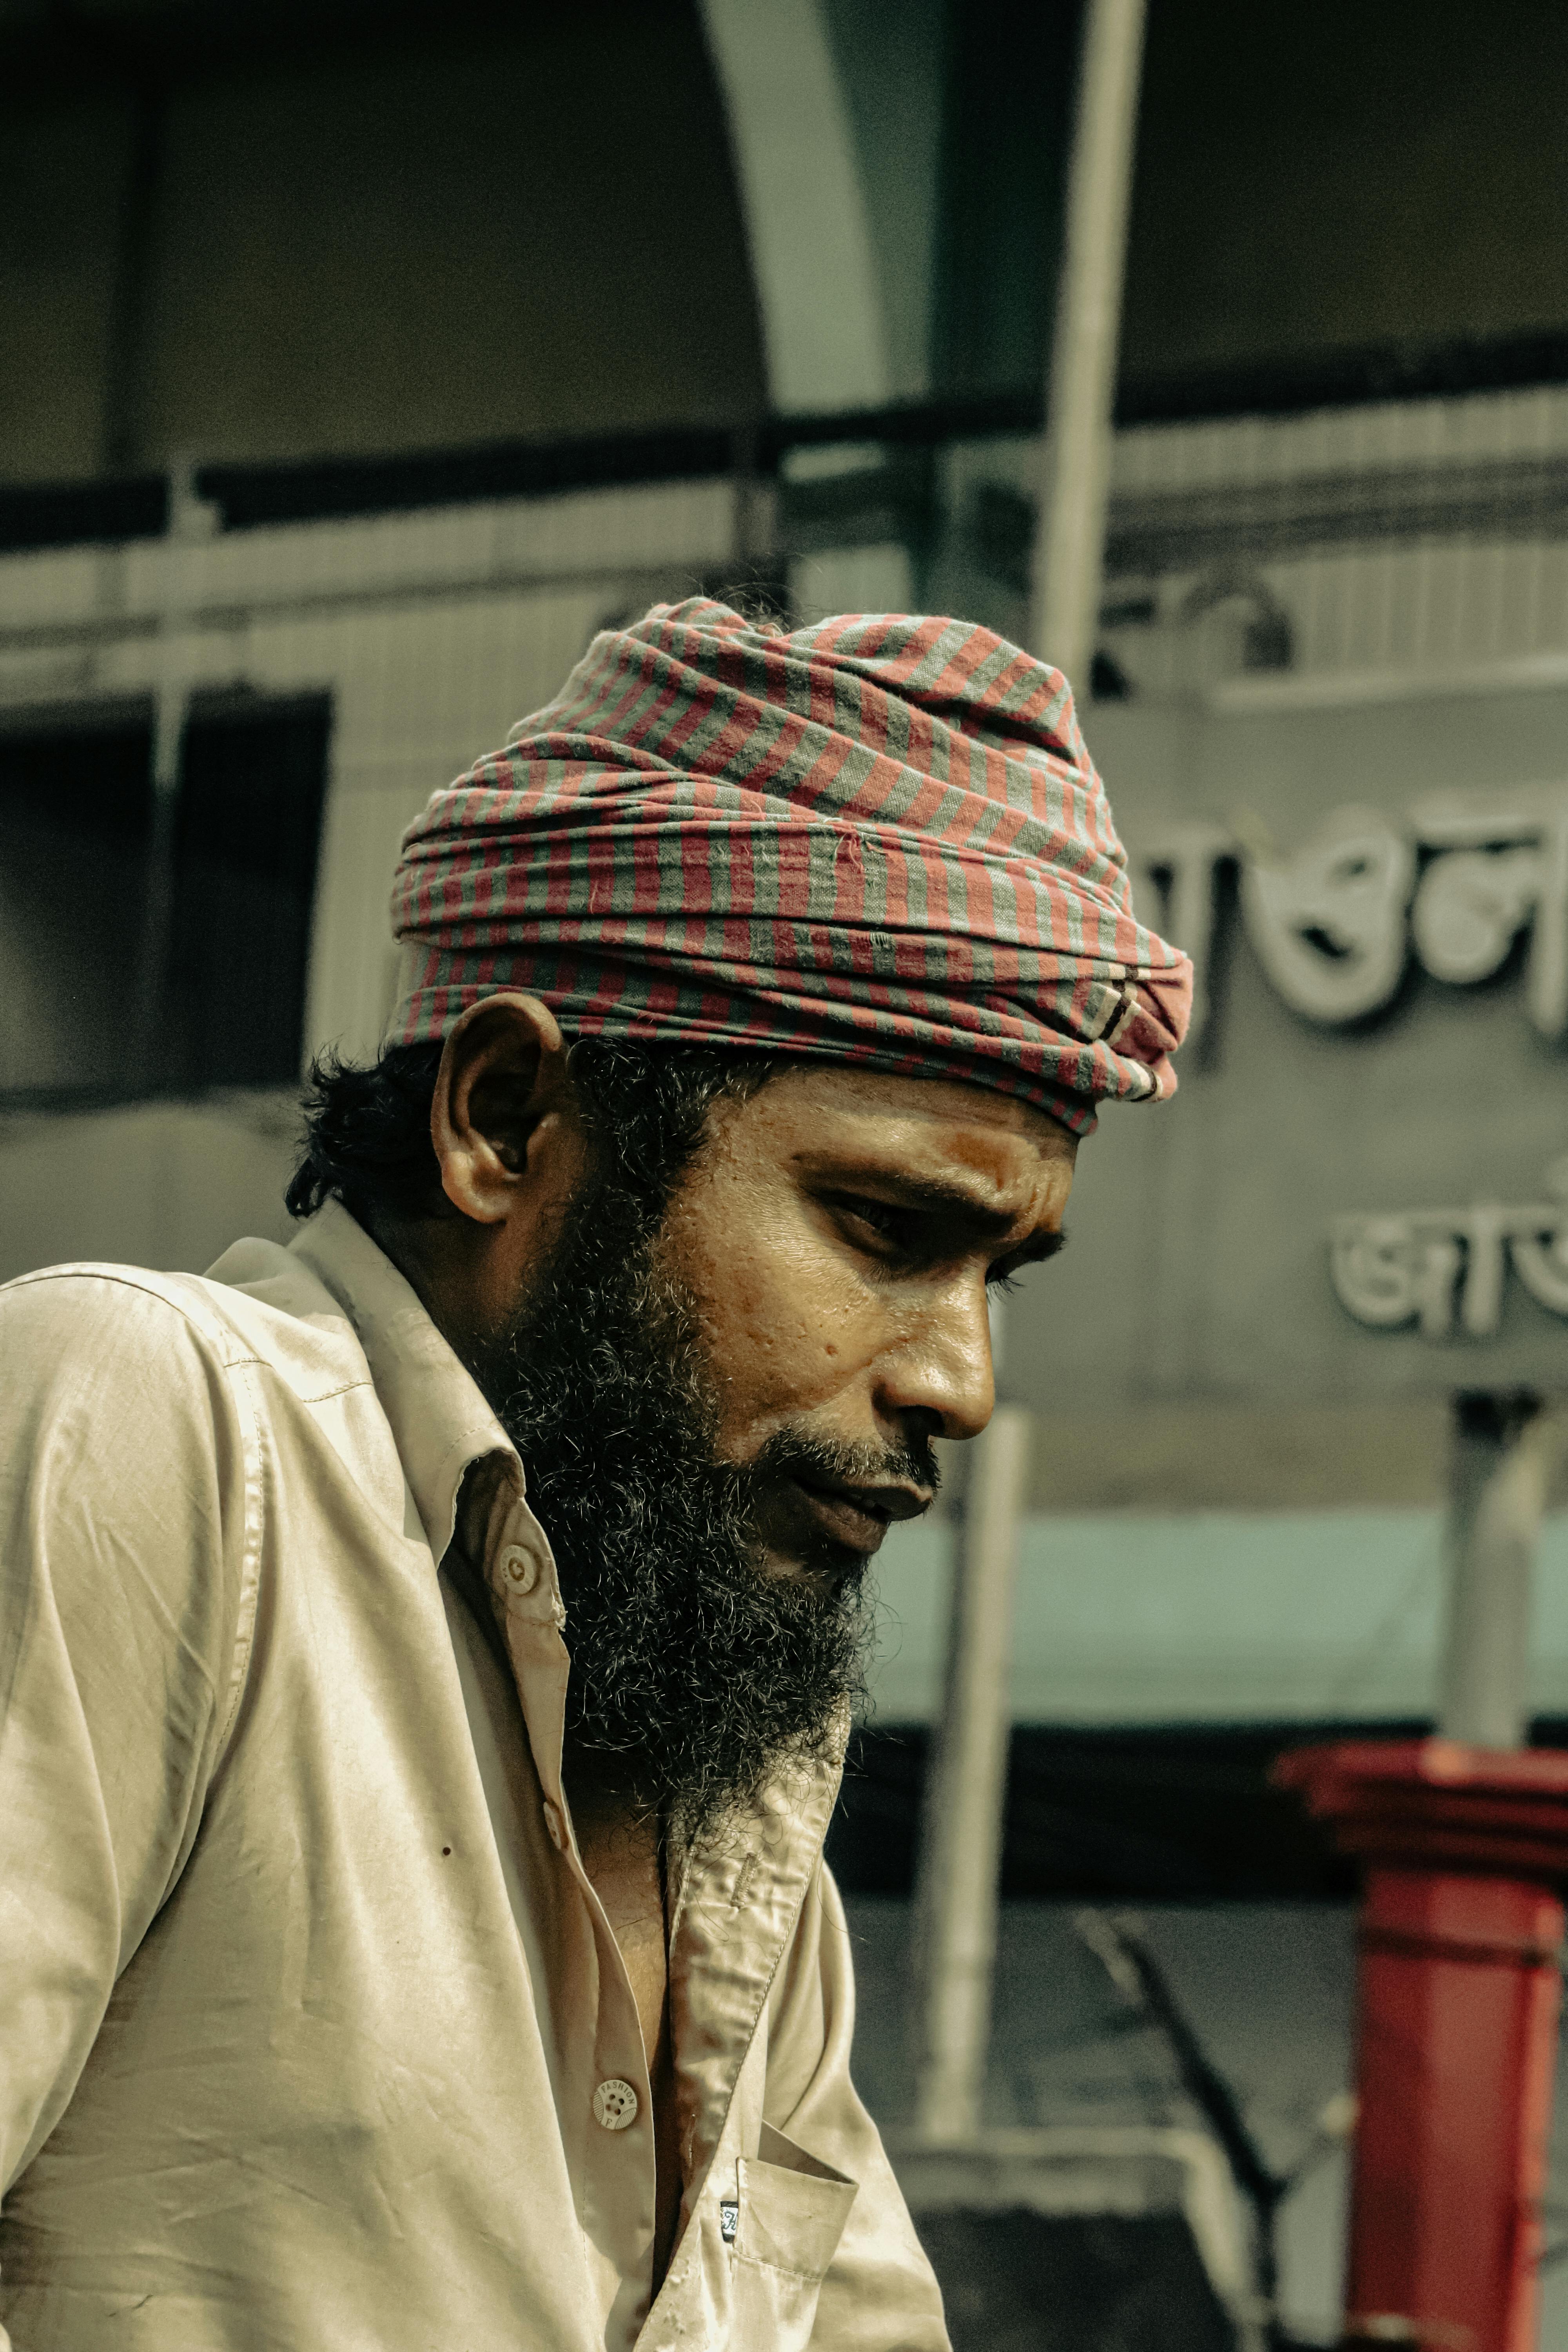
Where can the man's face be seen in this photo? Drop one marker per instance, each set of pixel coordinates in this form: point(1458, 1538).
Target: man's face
point(835, 1239)
point(721, 1405)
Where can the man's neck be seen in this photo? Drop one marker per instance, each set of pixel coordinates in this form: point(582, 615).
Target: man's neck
point(618, 1835)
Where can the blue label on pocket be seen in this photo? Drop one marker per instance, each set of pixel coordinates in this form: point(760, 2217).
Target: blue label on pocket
point(728, 2218)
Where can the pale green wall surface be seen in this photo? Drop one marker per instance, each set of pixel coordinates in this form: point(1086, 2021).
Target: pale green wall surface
point(890, 56)
point(1208, 1617)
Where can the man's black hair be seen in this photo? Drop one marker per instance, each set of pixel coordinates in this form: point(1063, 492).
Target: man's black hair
point(367, 1126)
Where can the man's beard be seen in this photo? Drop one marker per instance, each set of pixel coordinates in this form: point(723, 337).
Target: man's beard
point(698, 1672)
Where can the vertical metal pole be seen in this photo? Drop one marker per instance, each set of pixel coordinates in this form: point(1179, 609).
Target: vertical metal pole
point(961, 1834)
point(191, 523)
point(1080, 393)
point(1503, 1456)
point(148, 1058)
point(755, 557)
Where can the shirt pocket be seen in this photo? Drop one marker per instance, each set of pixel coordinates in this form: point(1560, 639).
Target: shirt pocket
point(792, 2216)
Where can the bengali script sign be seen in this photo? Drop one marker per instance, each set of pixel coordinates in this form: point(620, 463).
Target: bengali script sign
point(1448, 1268)
point(1453, 883)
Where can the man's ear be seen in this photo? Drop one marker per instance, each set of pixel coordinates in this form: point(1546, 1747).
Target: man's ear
point(503, 1102)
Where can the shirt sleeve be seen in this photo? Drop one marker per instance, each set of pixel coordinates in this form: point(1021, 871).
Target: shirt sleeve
point(128, 1494)
point(879, 2294)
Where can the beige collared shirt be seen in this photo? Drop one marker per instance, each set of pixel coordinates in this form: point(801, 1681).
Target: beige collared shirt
point(313, 2035)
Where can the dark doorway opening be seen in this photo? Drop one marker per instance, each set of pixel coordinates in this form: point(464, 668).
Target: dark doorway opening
point(247, 838)
point(105, 998)
point(76, 818)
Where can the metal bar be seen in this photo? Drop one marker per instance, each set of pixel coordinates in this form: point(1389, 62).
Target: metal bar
point(1148, 534)
point(1501, 1469)
point(960, 1845)
point(1160, 531)
point(1075, 480)
point(148, 1056)
point(221, 617)
point(191, 522)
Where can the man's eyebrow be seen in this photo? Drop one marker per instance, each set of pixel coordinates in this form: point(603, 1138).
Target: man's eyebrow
point(941, 1197)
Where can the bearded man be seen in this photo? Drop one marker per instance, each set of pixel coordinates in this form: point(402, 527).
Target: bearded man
point(427, 1649)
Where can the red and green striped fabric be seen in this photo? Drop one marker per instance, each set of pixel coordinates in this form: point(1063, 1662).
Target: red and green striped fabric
point(880, 839)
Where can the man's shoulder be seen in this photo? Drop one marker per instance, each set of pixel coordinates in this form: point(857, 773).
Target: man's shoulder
point(150, 1367)
point(259, 1306)
point(88, 1294)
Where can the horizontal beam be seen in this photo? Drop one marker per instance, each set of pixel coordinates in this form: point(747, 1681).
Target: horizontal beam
point(58, 514)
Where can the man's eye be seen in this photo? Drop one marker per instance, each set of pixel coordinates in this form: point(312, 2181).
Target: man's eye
point(890, 1226)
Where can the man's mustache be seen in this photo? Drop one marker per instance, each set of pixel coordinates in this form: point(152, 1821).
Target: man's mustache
point(791, 1453)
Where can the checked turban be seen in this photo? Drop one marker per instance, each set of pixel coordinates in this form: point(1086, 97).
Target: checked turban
point(880, 839)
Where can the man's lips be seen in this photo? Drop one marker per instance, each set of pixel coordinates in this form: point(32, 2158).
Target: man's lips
point(859, 1517)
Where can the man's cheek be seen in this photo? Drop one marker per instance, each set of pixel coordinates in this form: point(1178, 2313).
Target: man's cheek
point(804, 1309)
point(807, 1380)
point(785, 1322)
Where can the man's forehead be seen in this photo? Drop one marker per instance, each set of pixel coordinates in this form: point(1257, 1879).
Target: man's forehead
point(935, 1117)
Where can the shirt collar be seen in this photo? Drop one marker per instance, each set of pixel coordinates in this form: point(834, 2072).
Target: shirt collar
point(440, 1422)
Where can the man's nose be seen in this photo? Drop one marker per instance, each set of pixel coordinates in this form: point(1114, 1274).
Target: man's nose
point(940, 1370)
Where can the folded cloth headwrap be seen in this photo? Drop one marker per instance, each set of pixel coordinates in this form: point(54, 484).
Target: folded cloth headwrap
point(879, 840)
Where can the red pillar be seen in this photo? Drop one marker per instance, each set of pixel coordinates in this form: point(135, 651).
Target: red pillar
point(1457, 1982)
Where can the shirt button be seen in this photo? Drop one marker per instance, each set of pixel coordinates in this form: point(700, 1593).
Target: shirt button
point(519, 1569)
point(615, 2105)
point(552, 1823)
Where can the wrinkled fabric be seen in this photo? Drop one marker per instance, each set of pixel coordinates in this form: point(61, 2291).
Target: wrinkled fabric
point(304, 1993)
point(880, 838)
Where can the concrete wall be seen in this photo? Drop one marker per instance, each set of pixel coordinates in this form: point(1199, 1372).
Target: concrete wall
point(477, 227)
point(1199, 1263)
point(1344, 174)
point(160, 1184)
point(357, 231)
point(892, 57)
point(1308, 178)
point(64, 160)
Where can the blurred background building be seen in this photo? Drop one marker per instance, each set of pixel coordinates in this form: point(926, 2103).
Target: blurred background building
point(359, 362)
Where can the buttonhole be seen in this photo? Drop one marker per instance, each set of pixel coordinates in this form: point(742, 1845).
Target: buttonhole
point(742, 1881)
